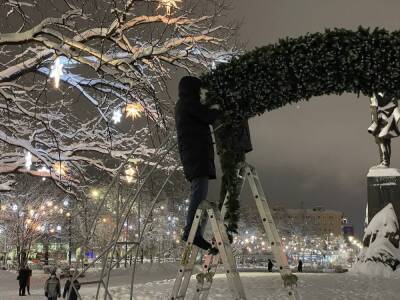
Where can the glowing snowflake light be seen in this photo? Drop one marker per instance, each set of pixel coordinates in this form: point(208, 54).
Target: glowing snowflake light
point(133, 110)
point(168, 5)
point(56, 72)
point(28, 160)
point(117, 115)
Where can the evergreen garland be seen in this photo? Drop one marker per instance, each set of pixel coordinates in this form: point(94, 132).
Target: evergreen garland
point(333, 62)
point(295, 69)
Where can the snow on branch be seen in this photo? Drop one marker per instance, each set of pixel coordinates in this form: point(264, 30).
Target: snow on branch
point(69, 75)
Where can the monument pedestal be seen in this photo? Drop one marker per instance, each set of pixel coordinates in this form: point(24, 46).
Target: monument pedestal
point(383, 188)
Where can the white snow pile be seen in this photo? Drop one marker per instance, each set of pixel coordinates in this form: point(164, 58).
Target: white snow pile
point(381, 254)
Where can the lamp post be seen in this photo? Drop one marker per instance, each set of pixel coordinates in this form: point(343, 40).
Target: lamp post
point(69, 241)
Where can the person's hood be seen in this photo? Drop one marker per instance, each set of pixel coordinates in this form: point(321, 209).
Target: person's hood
point(189, 88)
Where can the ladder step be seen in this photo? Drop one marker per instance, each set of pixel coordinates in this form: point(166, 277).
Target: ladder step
point(202, 289)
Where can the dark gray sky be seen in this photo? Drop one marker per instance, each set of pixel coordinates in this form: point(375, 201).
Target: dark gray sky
point(318, 152)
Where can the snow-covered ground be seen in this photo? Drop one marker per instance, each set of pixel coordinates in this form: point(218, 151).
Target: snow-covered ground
point(258, 285)
point(265, 286)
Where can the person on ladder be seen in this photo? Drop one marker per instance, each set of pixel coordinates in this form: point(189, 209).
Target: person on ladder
point(193, 120)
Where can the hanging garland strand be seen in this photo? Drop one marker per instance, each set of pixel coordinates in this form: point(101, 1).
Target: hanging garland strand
point(295, 69)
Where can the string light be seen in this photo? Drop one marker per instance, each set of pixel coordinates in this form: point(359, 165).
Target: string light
point(56, 72)
point(133, 110)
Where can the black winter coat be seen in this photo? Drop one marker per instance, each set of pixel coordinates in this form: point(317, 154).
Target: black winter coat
point(194, 137)
point(72, 295)
point(23, 276)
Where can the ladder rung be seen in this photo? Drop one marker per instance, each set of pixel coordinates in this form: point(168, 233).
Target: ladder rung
point(202, 289)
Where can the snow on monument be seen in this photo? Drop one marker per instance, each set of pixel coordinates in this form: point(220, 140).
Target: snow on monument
point(381, 254)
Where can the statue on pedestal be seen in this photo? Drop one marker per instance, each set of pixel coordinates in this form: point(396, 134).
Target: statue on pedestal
point(385, 115)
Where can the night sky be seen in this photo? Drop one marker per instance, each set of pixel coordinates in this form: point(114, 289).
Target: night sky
point(316, 153)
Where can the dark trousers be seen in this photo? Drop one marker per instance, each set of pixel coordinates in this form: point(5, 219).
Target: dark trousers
point(198, 193)
point(22, 289)
point(52, 298)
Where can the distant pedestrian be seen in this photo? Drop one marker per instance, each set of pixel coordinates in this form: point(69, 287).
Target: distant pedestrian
point(52, 287)
point(28, 281)
point(22, 279)
point(300, 266)
point(270, 265)
point(69, 291)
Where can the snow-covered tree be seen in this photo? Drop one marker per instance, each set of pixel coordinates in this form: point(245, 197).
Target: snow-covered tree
point(71, 70)
point(381, 253)
point(35, 211)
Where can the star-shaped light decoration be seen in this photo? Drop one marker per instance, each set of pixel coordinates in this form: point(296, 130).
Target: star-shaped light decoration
point(133, 110)
point(28, 160)
point(56, 72)
point(60, 168)
point(168, 5)
point(117, 115)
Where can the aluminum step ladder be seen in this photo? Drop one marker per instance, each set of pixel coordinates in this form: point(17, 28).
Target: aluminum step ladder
point(225, 255)
point(272, 236)
point(210, 264)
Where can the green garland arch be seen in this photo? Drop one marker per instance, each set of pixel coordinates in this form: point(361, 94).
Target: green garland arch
point(336, 61)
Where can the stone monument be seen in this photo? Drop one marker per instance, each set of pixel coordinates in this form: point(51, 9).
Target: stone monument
point(383, 182)
point(383, 186)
